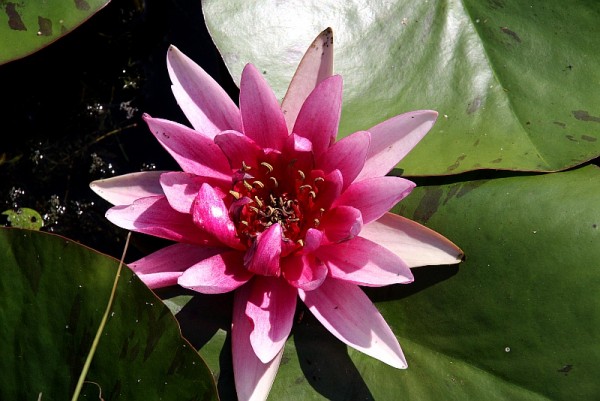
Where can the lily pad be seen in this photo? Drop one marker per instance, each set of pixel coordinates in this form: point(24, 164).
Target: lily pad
point(26, 27)
point(54, 293)
point(518, 320)
point(513, 81)
point(24, 217)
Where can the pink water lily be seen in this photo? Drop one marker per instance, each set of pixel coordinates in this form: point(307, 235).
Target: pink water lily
point(270, 205)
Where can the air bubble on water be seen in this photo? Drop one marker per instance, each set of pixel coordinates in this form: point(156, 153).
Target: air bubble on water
point(507, 349)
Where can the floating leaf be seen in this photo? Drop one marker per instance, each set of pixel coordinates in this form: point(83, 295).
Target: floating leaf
point(54, 293)
point(26, 27)
point(24, 217)
point(513, 81)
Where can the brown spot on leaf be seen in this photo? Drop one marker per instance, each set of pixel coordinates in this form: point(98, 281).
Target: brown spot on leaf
point(428, 205)
point(498, 160)
point(565, 369)
point(456, 163)
point(14, 18)
point(563, 125)
point(510, 33)
point(588, 138)
point(585, 116)
point(82, 5)
point(45, 26)
point(571, 138)
point(469, 186)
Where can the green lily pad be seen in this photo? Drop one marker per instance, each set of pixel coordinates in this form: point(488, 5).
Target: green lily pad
point(513, 81)
point(24, 217)
point(26, 27)
point(54, 293)
point(519, 319)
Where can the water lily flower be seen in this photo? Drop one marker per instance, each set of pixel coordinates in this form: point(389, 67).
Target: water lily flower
point(270, 205)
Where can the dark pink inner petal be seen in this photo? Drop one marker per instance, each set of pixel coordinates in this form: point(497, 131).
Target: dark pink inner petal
point(341, 223)
point(239, 149)
point(263, 257)
point(304, 271)
point(262, 118)
point(347, 155)
point(212, 216)
point(319, 116)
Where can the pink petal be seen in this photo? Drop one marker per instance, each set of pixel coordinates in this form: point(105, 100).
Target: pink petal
point(238, 148)
point(330, 189)
point(319, 117)
point(181, 189)
point(262, 118)
point(341, 223)
point(315, 66)
point(415, 244)
point(211, 215)
point(206, 105)
point(347, 155)
point(350, 316)
point(253, 378)
point(195, 153)
point(304, 271)
point(124, 189)
point(216, 275)
point(375, 196)
point(163, 267)
point(392, 139)
point(363, 262)
point(271, 307)
point(263, 257)
point(154, 216)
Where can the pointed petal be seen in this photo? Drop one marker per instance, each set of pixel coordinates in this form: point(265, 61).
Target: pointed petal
point(238, 148)
point(181, 189)
point(341, 223)
point(206, 105)
point(350, 316)
point(154, 216)
point(415, 244)
point(347, 155)
point(315, 66)
point(330, 189)
point(392, 139)
point(124, 189)
point(216, 275)
point(319, 117)
point(363, 262)
point(375, 196)
point(211, 215)
point(271, 307)
point(304, 271)
point(263, 257)
point(262, 119)
point(194, 152)
point(163, 267)
point(253, 378)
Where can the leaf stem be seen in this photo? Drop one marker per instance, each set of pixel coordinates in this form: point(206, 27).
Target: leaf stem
point(88, 361)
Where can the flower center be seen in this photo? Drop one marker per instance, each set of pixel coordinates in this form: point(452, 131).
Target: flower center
point(273, 192)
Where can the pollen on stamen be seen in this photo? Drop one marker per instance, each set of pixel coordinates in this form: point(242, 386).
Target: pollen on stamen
point(267, 166)
point(275, 183)
point(258, 184)
point(258, 201)
point(245, 167)
point(247, 185)
point(302, 175)
point(312, 194)
point(305, 186)
point(235, 194)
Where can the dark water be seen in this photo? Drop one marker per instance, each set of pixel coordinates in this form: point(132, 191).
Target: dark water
point(71, 114)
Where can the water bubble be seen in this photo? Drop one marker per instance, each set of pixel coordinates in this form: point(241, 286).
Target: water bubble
point(507, 349)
